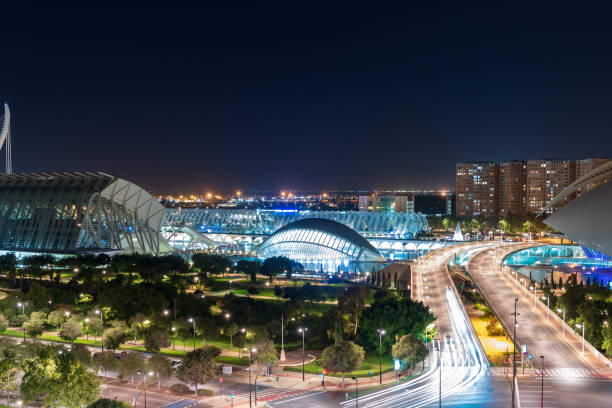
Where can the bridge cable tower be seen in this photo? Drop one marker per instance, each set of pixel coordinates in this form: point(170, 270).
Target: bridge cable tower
point(5, 138)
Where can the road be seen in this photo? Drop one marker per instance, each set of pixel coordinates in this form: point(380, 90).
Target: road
point(568, 375)
point(459, 360)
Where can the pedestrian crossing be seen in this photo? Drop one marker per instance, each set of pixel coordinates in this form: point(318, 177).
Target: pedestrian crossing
point(533, 395)
point(569, 373)
point(268, 393)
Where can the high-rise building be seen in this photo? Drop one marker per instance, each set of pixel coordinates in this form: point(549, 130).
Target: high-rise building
point(585, 166)
point(512, 187)
point(546, 179)
point(477, 185)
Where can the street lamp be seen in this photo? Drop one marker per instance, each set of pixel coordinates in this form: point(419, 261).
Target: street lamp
point(515, 314)
point(381, 333)
point(440, 384)
point(581, 326)
point(192, 321)
point(173, 334)
point(251, 350)
point(87, 327)
point(22, 305)
point(303, 331)
point(99, 312)
point(559, 311)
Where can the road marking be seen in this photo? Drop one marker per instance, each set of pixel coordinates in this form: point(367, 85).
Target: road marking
point(297, 398)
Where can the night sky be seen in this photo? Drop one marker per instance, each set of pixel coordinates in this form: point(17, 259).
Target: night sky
point(304, 95)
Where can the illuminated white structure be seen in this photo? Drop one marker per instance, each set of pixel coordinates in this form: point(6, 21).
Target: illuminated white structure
point(458, 236)
point(5, 137)
point(319, 239)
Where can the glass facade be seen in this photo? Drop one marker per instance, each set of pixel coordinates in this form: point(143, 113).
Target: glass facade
point(317, 239)
point(75, 212)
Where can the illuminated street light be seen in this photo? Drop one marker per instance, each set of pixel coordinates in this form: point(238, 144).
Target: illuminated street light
point(192, 321)
point(303, 331)
point(381, 332)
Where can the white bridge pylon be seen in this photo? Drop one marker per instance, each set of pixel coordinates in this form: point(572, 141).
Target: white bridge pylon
point(5, 137)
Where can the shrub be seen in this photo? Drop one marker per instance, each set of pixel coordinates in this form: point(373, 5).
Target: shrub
point(252, 290)
point(109, 403)
point(180, 388)
point(205, 393)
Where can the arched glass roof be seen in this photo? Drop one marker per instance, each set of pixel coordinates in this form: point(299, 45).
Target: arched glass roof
point(318, 239)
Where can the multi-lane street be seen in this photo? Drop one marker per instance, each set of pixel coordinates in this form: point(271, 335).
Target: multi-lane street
point(569, 375)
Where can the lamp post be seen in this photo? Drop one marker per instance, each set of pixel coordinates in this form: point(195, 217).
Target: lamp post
point(250, 388)
point(87, 327)
point(515, 314)
point(381, 332)
point(173, 334)
point(243, 330)
point(282, 352)
point(192, 321)
point(303, 331)
point(22, 305)
point(99, 312)
point(559, 311)
point(581, 326)
point(542, 393)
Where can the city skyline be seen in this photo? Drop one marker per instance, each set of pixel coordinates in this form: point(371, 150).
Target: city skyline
point(215, 98)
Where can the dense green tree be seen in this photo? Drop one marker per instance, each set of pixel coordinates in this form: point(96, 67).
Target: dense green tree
point(344, 357)
point(266, 354)
point(106, 361)
point(35, 325)
point(131, 364)
point(156, 338)
point(249, 268)
point(198, 366)
point(213, 264)
point(81, 353)
point(9, 368)
point(4, 323)
point(279, 265)
point(353, 301)
point(71, 330)
point(230, 330)
point(397, 315)
point(109, 403)
point(114, 337)
point(410, 350)
point(56, 318)
point(95, 327)
point(161, 366)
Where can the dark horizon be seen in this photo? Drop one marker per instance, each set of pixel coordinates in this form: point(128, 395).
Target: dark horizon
point(293, 97)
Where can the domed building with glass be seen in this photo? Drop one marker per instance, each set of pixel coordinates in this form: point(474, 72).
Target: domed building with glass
point(319, 240)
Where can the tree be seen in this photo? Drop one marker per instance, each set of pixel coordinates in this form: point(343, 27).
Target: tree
point(249, 268)
point(353, 301)
point(266, 354)
point(35, 325)
point(278, 265)
point(198, 366)
point(58, 380)
point(214, 264)
point(81, 353)
point(9, 369)
point(71, 330)
point(109, 403)
point(229, 330)
point(607, 341)
point(344, 357)
point(132, 363)
point(95, 327)
point(106, 361)
point(114, 337)
point(161, 366)
point(4, 323)
point(397, 315)
point(156, 338)
point(410, 350)
point(56, 318)
point(278, 292)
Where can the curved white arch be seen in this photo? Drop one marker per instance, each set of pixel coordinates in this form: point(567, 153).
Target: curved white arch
point(600, 173)
point(5, 137)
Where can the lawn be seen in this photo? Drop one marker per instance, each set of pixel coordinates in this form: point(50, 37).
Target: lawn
point(368, 368)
